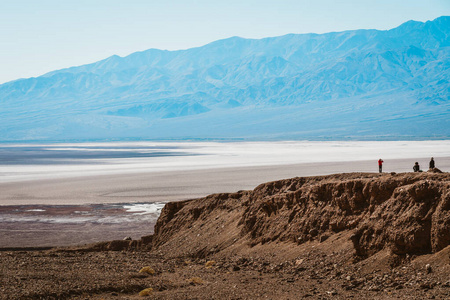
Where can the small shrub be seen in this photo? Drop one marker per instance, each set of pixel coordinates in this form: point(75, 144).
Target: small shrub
point(146, 292)
point(210, 264)
point(147, 270)
point(196, 280)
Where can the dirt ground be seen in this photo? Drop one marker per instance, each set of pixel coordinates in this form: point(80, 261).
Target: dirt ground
point(277, 271)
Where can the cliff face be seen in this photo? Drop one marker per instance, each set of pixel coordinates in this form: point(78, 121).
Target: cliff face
point(405, 213)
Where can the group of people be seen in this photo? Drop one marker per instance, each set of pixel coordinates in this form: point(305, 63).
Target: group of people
point(416, 167)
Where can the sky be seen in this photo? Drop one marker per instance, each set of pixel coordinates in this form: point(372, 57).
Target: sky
point(37, 37)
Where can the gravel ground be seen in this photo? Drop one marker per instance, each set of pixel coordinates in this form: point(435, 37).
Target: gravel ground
point(315, 274)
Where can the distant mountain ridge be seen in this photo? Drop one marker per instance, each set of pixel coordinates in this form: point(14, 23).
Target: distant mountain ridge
point(362, 84)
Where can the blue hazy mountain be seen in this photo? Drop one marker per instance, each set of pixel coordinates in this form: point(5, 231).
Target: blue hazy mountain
point(358, 84)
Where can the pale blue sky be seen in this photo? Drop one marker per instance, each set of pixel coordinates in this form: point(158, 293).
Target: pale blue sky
point(40, 36)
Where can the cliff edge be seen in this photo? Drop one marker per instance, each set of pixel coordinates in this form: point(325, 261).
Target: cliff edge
point(407, 214)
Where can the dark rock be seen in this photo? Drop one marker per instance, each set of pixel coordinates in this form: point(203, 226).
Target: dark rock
point(434, 170)
point(313, 232)
point(323, 238)
point(147, 239)
point(332, 293)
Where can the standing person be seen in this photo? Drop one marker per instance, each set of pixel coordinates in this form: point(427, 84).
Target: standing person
point(416, 167)
point(432, 163)
point(380, 165)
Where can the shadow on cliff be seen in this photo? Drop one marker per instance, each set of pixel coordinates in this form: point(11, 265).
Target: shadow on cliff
point(408, 214)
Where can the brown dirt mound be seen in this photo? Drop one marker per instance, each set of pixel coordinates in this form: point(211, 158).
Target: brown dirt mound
point(405, 213)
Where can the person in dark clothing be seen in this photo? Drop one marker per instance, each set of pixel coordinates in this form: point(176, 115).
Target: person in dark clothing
point(432, 163)
point(380, 165)
point(416, 167)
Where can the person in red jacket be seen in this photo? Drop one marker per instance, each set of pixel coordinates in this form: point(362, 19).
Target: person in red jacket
point(380, 165)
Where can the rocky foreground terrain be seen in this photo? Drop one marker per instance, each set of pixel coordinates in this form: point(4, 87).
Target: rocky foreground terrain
point(359, 235)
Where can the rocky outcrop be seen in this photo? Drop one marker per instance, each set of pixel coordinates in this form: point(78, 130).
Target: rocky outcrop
point(127, 244)
point(407, 213)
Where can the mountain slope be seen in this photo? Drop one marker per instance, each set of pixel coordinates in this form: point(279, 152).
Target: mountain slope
point(361, 84)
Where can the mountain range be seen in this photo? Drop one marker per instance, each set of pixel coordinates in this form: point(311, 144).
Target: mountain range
point(359, 84)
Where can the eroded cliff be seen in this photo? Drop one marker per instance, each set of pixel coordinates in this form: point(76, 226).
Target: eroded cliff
point(405, 213)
